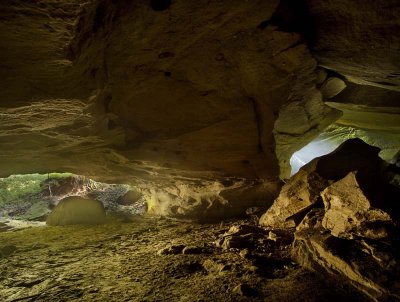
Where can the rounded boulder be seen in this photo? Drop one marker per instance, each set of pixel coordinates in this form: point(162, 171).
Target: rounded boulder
point(77, 210)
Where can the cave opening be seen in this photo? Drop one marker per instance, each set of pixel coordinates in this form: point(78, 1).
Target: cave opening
point(336, 134)
point(33, 197)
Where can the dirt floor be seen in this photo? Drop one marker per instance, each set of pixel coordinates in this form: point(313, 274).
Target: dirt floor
point(155, 259)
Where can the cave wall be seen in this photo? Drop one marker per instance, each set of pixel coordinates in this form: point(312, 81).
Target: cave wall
point(358, 39)
point(34, 36)
point(191, 91)
point(199, 86)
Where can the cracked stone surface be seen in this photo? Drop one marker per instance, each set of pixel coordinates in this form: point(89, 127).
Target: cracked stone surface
point(119, 262)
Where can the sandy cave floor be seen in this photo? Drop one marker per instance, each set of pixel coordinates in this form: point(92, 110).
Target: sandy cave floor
point(120, 261)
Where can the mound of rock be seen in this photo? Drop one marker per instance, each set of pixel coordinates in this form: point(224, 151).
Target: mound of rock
point(352, 210)
point(77, 210)
point(302, 191)
point(346, 218)
point(371, 266)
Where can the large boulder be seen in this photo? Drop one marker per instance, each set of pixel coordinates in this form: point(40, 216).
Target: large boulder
point(302, 191)
point(371, 266)
point(297, 196)
point(349, 212)
point(346, 216)
point(77, 210)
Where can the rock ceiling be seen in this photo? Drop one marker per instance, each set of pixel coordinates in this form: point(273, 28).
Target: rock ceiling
point(188, 93)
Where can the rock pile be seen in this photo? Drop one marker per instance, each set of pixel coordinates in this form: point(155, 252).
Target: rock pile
point(346, 219)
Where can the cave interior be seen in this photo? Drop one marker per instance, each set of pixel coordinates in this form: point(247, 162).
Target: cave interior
point(199, 150)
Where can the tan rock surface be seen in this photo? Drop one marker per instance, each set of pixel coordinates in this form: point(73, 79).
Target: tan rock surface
point(302, 191)
point(299, 195)
point(370, 267)
point(349, 212)
point(203, 97)
point(118, 261)
point(358, 39)
point(34, 37)
point(77, 210)
point(196, 93)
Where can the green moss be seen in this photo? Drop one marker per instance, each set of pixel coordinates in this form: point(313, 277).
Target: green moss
point(15, 188)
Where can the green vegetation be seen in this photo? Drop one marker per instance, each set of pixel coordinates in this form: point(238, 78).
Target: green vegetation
point(18, 186)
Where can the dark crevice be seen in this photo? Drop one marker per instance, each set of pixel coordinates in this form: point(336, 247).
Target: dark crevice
point(160, 5)
point(107, 102)
point(386, 83)
point(289, 47)
point(294, 16)
point(99, 16)
point(263, 24)
point(258, 118)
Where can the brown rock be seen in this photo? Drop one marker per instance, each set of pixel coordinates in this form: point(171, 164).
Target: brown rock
point(373, 270)
point(349, 212)
point(214, 266)
point(77, 210)
point(321, 76)
point(302, 191)
point(299, 122)
point(332, 87)
point(244, 290)
point(171, 250)
point(298, 196)
point(234, 242)
point(357, 39)
point(192, 250)
point(7, 251)
point(244, 229)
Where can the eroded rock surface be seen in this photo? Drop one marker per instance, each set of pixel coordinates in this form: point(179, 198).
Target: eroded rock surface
point(34, 38)
point(302, 191)
point(349, 212)
point(216, 90)
point(370, 266)
point(347, 219)
point(358, 39)
point(119, 261)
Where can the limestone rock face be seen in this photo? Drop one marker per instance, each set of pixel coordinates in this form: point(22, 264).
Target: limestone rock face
point(210, 201)
point(370, 266)
point(195, 96)
point(302, 191)
point(353, 235)
point(192, 92)
point(348, 211)
point(358, 39)
point(299, 122)
point(332, 87)
point(33, 39)
point(297, 196)
point(77, 210)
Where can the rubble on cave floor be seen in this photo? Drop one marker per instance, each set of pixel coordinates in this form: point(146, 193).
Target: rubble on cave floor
point(344, 212)
point(155, 259)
